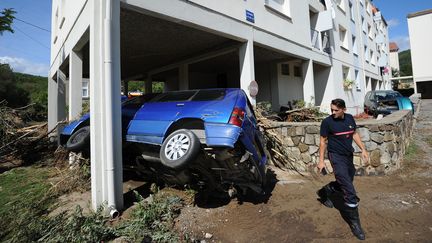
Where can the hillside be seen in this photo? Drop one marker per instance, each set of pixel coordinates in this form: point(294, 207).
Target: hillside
point(405, 66)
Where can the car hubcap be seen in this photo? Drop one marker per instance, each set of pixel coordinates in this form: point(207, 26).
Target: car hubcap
point(177, 147)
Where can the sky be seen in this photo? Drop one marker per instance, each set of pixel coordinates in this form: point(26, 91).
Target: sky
point(28, 49)
point(395, 13)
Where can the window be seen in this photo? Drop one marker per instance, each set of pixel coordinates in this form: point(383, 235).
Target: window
point(354, 46)
point(363, 24)
point(351, 8)
point(85, 88)
point(280, 6)
point(372, 57)
point(345, 72)
point(366, 54)
point(368, 7)
point(341, 5)
point(297, 71)
point(213, 94)
point(285, 69)
point(369, 31)
point(176, 96)
point(356, 77)
point(343, 37)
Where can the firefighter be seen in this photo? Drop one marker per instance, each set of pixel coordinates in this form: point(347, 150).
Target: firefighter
point(337, 133)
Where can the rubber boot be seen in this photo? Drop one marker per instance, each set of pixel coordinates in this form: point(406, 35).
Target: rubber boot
point(352, 216)
point(324, 195)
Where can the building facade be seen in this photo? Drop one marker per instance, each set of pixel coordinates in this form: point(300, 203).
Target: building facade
point(294, 50)
point(394, 57)
point(421, 51)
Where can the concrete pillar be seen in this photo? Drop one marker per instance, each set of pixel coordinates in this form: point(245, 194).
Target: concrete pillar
point(247, 68)
point(125, 87)
point(308, 82)
point(149, 85)
point(75, 85)
point(61, 96)
point(184, 77)
point(52, 102)
point(105, 122)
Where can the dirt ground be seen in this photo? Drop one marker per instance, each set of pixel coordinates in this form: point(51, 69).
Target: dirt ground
point(393, 208)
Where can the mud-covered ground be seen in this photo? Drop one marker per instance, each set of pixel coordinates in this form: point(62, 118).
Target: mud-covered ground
point(393, 208)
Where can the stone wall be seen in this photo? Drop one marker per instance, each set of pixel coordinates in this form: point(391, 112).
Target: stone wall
point(385, 139)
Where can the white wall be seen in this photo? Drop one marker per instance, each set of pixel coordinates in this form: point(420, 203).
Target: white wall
point(421, 49)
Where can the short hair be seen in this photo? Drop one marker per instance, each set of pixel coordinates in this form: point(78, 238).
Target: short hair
point(339, 103)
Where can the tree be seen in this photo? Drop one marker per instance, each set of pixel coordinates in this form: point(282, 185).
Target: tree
point(15, 96)
point(6, 20)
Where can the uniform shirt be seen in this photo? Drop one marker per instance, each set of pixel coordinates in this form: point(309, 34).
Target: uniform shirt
point(339, 133)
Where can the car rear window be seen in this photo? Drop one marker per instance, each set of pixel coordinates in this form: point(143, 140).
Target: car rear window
point(205, 95)
point(387, 95)
point(175, 96)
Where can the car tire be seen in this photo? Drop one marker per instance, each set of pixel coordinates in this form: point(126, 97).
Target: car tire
point(179, 148)
point(80, 140)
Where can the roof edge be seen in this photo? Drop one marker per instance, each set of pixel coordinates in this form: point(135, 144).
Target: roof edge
point(419, 13)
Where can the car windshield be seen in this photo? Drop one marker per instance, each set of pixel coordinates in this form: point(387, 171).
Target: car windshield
point(387, 95)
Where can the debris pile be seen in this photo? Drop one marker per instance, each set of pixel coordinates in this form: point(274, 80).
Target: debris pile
point(21, 141)
point(274, 143)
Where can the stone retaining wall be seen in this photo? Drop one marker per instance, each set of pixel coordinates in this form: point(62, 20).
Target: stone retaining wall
point(385, 139)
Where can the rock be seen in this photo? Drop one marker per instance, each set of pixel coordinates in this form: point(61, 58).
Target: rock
point(312, 129)
point(370, 146)
point(296, 140)
point(328, 166)
point(357, 161)
point(364, 134)
point(406, 203)
point(303, 147)
point(317, 140)
point(376, 137)
point(306, 158)
point(291, 131)
point(375, 158)
point(300, 131)
point(385, 158)
point(313, 149)
point(309, 139)
point(284, 131)
point(388, 136)
point(374, 128)
point(208, 236)
point(295, 152)
point(288, 141)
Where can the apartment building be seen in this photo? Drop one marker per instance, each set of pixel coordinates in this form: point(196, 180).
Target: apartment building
point(276, 50)
point(394, 56)
point(421, 51)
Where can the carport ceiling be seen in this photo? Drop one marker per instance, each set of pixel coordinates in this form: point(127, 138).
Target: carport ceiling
point(148, 43)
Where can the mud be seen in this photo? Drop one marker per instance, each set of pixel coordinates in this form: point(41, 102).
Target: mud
point(393, 208)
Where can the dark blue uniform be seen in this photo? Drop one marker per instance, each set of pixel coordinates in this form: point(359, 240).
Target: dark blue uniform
point(339, 133)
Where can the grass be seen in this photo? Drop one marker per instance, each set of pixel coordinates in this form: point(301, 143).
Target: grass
point(27, 197)
point(412, 152)
point(22, 197)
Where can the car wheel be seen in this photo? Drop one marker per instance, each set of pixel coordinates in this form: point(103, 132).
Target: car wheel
point(179, 148)
point(80, 140)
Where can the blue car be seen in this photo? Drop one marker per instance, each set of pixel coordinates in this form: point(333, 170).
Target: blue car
point(207, 137)
point(385, 102)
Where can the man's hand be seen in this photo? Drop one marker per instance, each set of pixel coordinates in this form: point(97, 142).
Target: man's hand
point(365, 156)
point(320, 166)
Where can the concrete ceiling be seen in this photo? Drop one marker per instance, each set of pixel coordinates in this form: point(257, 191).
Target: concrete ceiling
point(148, 43)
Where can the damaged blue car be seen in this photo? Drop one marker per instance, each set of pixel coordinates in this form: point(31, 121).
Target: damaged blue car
point(206, 137)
